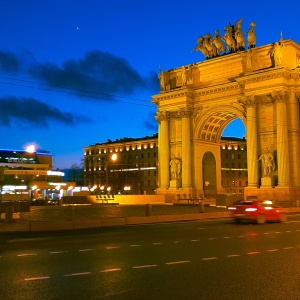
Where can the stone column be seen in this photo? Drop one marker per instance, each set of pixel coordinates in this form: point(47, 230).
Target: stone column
point(163, 149)
point(252, 151)
point(186, 148)
point(282, 140)
point(293, 117)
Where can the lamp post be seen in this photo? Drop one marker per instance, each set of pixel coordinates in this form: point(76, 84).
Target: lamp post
point(29, 149)
point(113, 158)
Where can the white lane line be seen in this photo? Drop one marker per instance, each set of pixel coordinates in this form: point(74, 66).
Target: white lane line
point(135, 245)
point(178, 262)
point(241, 236)
point(277, 232)
point(84, 250)
point(176, 242)
point(194, 240)
point(253, 253)
point(266, 233)
point(111, 247)
point(155, 244)
point(233, 255)
point(226, 237)
point(210, 239)
point(273, 250)
point(110, 270)
point(27, 254)
point(288, 231)
point(209, 258)
point(144, 266)
point(36, 278)
point(200, 228)
point(57, 252)
point(253, 234)
point(287, 248)
point(77, 274)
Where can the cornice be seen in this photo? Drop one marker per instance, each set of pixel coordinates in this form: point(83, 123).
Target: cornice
point(173, 95)
point(272, 74)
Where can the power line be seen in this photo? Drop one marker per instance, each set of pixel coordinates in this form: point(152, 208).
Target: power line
point(76, 92)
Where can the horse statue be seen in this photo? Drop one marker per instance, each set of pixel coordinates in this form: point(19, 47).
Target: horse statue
point(228, 39)
point(207, 43)
point(251, 36)
point(218, 43)
point(238, 34)
point(201, 47)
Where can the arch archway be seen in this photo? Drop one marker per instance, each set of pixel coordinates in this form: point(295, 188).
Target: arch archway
point(192, 116)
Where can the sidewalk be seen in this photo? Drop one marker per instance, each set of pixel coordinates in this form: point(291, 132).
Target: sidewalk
point(52, 218)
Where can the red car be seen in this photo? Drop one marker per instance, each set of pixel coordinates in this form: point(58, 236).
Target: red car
point(259, 211)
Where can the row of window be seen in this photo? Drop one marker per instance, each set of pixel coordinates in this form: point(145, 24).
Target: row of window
point(119, 149)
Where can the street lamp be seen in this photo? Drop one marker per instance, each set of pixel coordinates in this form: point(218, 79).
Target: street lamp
point(127, 188)
point(113, 157)
point(28, 149)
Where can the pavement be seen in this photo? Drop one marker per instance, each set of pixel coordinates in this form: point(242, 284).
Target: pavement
point(72, 217)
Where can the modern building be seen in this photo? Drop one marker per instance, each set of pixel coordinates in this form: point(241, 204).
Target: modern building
point(26, 175)
point(129, 165)
point(126, 166)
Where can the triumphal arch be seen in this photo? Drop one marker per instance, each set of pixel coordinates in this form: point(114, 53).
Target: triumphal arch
point(236, 79)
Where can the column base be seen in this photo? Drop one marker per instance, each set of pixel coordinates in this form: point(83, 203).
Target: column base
point(175, 184)
point(267, 182)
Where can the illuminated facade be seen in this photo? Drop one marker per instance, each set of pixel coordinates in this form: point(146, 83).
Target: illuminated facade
point(29, 175)
point(127, 166)
point(260, 86)
point(135, 165)
point(234, 165)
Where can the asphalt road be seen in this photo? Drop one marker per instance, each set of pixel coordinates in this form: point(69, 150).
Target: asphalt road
point(195, 260)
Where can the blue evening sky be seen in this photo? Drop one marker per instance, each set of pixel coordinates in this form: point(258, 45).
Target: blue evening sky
point(78, 72)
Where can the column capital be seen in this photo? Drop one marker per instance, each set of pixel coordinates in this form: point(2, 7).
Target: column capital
point(280, 97)
point(248, 101)
point(162, 116)
point(186, 112)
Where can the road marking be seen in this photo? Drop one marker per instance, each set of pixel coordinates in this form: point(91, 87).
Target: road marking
point(287, 248)
point(176, 242)
point(200, 228)
point(36, 278)
point(288, 231)
point(156, 244)
point(77, 274)
point(253, 253)
point(241, 236)
point(57, 252)
point(226, 237)
point(233, 255)
point(27, 254)
point(135, 245)
point(144, 266)
point(273, 250)
point(194, 240)
point(266, 233)
point(110, 270)
point(253, 234)
point(211, 238)
point(83, 250)
point(178, 262)
point(111, 247)
point(209, 258)
point(277, 232)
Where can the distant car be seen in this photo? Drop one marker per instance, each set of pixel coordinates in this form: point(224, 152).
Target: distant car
point(259, 211)
point(38, 202)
